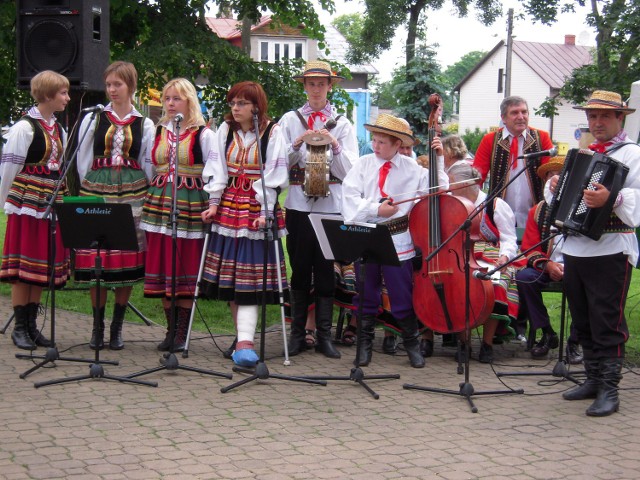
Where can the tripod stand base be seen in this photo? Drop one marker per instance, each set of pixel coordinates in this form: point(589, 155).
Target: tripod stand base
point(466, 390)
point(96, 371)
point(357, 375)
point(51, 356)
point(261, 372)
point(170, 362)
point(559, 370)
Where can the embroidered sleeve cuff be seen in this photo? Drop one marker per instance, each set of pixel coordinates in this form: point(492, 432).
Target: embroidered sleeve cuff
point(337, 150)
point(214, 201)
point(619, 200)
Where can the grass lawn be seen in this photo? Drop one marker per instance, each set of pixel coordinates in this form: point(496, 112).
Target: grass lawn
point(214, 316)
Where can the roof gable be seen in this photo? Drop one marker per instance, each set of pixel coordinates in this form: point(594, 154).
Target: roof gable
point(553, 62)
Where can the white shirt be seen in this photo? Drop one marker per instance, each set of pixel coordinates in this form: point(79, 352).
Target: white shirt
point(344, 132)
point(361, 193)
point(518, 194)
point(628, 211)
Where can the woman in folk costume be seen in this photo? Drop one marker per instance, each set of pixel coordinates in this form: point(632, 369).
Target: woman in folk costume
point(29, 171)
point(498, 230)
point(193, 149)
point(113, 163)
point(234, 265)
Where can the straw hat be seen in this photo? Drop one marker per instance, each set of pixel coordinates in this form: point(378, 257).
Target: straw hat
point(554, 163)
point(320, 69)
point(603, 100)
point(394, 126)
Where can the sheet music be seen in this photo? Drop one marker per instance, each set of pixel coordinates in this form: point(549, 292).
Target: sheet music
point(316, 222)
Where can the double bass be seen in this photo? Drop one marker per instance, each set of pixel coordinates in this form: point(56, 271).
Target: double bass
point(440, 284)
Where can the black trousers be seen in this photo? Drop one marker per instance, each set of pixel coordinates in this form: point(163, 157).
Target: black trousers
point(308, 265)
point(597, 292)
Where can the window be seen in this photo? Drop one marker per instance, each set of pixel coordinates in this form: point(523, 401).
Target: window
point(500, 80)
point(277, 50)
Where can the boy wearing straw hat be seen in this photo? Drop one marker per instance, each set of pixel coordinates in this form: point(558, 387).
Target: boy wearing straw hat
point(598, 272)
point(367, 193)
point(309, 269)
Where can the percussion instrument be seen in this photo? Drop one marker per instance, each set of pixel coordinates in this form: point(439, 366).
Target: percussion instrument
point(316, 171)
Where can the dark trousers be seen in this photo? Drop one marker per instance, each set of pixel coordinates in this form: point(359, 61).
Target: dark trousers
point(397, 280)
point(597, 289)
point(530, 284)
point(308, 265)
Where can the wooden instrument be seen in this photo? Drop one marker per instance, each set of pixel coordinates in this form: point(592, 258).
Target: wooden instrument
point(317, 168)
point(440, 284)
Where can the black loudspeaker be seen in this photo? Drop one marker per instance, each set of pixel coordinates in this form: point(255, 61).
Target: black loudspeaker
point(70, 37)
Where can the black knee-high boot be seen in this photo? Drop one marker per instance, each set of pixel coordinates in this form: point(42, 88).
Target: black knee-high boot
point(20, 334)
point(411, 341)
point(607, 401)
point(299, 311)
point(32, 326)
point(365, 342)
point(97, 334)
point(589, 388)
point(180, 340)
point(115, 330)
point(324, 321)
point(163, 346)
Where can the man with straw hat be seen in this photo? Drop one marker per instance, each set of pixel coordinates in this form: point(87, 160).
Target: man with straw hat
point(598, 272)
point(367, 197)
point(544, 265)
point(309, 269)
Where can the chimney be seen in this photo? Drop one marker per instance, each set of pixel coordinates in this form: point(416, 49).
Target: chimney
point(569, 39)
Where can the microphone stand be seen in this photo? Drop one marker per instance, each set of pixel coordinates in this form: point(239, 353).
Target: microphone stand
point(170, 360)
point(466, 389)
point(261, 371)
point(52, 354)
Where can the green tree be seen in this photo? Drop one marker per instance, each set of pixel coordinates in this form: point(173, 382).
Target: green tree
point(350, 26)
point(422, 78)
point(616, 59)
point(170, 38)
point(383, 17)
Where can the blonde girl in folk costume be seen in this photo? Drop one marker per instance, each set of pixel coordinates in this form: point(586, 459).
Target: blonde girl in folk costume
point(29, 171)
point(234, 265)
point(113, 163)
point(195, 149)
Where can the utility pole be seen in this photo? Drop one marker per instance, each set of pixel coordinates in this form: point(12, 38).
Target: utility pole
point(507, 75)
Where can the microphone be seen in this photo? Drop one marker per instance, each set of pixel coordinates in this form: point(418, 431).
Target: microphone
point(552, 152)
point(178, 118)
point(330, 124)
point(481, 275)
point(97, 108)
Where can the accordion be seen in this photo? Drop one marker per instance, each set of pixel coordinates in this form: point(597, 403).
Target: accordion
point(583, 168)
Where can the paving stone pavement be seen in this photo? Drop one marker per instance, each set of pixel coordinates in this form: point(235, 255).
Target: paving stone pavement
point(278, 429)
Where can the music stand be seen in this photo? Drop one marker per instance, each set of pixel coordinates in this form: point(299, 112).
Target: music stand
point(96, 226)
point(361, 243)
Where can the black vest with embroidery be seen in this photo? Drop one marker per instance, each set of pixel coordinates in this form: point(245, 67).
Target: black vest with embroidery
point(38, 147)
point(130, 152)
point(500, 163)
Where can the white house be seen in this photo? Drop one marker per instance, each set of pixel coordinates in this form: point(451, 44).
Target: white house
point(538, 71)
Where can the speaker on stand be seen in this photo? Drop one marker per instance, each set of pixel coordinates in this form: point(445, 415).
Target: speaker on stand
point(70, 37)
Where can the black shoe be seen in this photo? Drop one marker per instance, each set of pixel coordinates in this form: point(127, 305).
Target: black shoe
point(486, 353)
point(389, 345)
point(461, 355)
point(548, 342)
point(574, 356)
point(426, 347)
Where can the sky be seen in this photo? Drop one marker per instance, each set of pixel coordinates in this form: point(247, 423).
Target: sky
point(458, 36)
